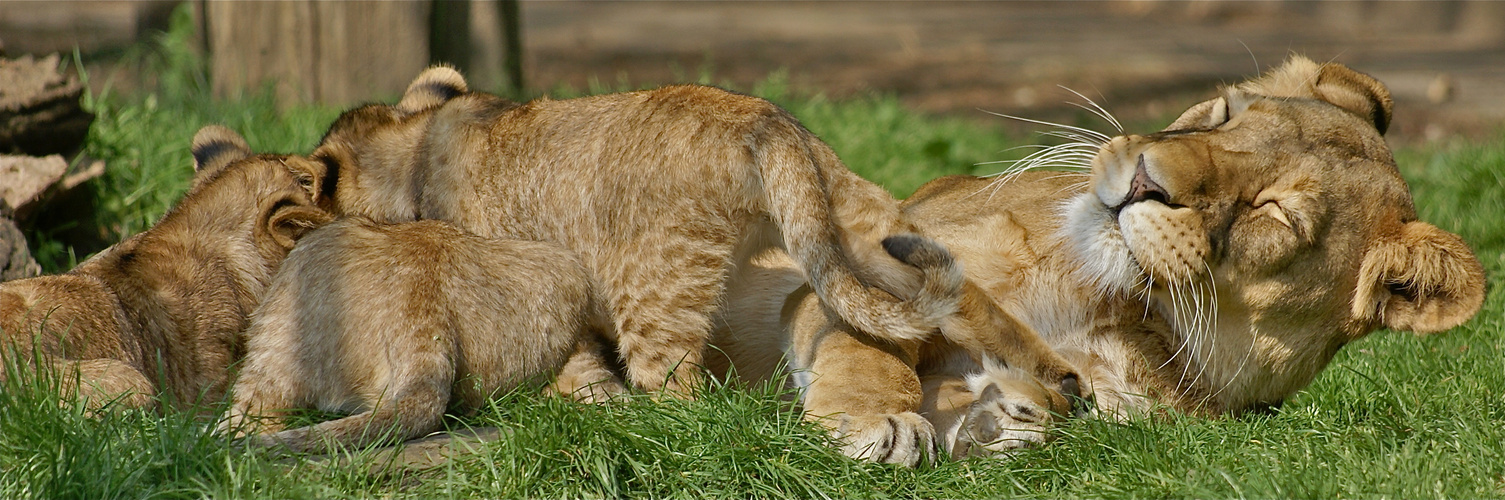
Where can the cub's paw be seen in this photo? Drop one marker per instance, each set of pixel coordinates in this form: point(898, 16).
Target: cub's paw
point(897, 438)
point(1013, 411)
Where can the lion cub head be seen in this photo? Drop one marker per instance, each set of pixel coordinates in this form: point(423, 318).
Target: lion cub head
point(274, 195)
point(159, 312)
point(1270, 227)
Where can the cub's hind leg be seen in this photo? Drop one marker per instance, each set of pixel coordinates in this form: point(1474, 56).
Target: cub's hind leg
point(864, 390)
point(662, 295)
point(276, 373)
point(106, 381)
point(588, 376)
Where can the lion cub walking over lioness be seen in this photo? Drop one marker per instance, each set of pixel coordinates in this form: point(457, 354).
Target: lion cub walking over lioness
point(666, 196)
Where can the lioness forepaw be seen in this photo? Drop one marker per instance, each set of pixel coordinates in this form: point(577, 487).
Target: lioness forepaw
point(901, 438)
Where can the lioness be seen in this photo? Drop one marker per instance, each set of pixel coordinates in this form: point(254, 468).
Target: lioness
point(667, 196)
point(165, 306)
point(396, 323)
point(1214, 267)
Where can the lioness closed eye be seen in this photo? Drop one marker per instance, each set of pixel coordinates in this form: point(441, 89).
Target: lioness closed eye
point(398, 323)
point(1215, 266)
point(666, 195)
point(167, 304)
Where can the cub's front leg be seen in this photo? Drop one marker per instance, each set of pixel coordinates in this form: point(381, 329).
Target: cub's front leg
point(863, 389)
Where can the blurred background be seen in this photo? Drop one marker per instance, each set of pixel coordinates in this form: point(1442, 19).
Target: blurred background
point(1142, 59)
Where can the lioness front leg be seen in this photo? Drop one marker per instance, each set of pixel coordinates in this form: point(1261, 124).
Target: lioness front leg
point(863, 389)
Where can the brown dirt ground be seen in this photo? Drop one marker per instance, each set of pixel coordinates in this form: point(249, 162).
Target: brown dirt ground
point(1444, 61)
point(1143, 59)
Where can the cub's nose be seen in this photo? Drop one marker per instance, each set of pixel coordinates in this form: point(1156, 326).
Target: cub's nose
point(1143, 188)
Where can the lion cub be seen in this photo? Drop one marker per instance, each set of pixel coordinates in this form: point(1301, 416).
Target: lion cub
point(396, 323)
point(159, 312)
point(666, 195)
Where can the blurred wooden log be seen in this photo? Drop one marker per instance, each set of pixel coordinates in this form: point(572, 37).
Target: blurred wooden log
point(513, 46)
point(39, 108)
point(449, 34)
point(492, 55)
point(336, 53)
point(23, 179)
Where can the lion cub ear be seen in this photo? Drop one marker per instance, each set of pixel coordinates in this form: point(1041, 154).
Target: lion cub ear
point(310, 175)
point(1425, 280)
point(289, 223)
point(433, 87)
point(214, 147)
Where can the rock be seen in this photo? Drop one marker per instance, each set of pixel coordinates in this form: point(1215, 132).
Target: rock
point(23, 179)
point(15, 258)
point(27, 183)
point(39, 108)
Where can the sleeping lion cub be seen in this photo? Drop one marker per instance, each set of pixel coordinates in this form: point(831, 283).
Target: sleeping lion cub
point(397, 322)
point(666, 196)
point(165, 306)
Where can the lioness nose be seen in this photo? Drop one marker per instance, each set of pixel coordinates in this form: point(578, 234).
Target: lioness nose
point(1144, 188)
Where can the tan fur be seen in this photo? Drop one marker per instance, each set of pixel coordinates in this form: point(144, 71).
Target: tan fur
point(1215, 268)
point(870, 392)
point(396, 323)
point(666, 195)
point(164, 306)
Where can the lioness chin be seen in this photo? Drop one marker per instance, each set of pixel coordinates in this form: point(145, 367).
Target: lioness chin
point(159, 313)
point(1214, 267)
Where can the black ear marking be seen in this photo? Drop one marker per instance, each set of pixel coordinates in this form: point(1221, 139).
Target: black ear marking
point(215, 146)
point(432, 88)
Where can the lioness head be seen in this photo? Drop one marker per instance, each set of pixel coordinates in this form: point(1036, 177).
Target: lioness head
point(1270, 226)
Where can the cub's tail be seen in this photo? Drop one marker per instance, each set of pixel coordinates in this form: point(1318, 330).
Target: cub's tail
point(973, 321)
point(796, 172)
point(941, 284)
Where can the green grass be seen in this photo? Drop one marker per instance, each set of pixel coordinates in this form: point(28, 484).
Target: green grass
point(1395, 415)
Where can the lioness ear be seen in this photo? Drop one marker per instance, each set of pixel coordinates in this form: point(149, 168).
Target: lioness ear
point(1353, 91)
point(1198, 116)
point(1425, 281)
point(1356, 92)
point(214, 147)
point(433, 87)
point(290, 222)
